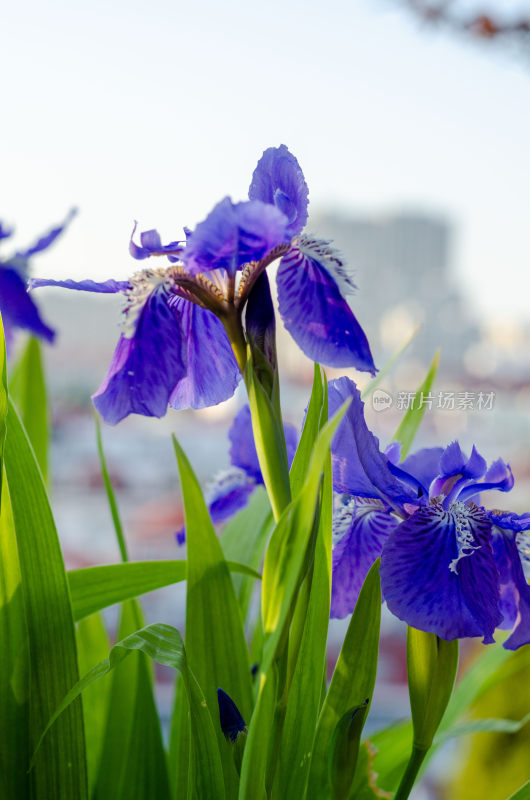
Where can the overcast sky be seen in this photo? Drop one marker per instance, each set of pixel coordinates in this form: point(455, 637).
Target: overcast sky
point(155, 111)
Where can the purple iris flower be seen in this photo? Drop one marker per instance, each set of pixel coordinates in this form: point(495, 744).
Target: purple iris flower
point(230, 491)
point(448, 565)
point(17, 307)
point(175, 348)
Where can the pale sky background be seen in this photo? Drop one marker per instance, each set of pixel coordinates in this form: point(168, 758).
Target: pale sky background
point(155, 111)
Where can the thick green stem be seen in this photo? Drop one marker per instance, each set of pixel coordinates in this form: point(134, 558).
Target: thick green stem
point(236, 337)
point(411, 773)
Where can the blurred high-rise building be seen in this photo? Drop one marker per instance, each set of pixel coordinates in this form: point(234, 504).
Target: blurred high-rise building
point(402, 266)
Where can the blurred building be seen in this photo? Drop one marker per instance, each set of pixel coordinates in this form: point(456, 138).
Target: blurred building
point(402, 266)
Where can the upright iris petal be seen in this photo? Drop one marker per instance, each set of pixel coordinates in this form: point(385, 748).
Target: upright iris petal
point(233, 235)
point(43, 242)
point(438, 573)
point(212, 374)
point(360, 529)
point(279, 180)
point(359, 467)
point(314, 310)
point(151, 245)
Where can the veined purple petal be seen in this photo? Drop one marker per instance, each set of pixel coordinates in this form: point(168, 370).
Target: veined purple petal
point(360, 529)
point(233, 235)
point(17, 307)
point(438, 573)
point(508, 520)
point(514, 590)
point(279, 180)
point(151, 245)
point(424, 464)
point(145, 367)
point(228, 493)
point(243, 450)
point(359, 467)
point(45, 241)
point(316, 314)
point(212, 374)
point(104, 287)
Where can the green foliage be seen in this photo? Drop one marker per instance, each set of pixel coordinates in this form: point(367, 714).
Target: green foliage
point(27, 388)
point(411, 421)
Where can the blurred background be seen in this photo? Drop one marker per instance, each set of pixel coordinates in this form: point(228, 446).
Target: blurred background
point(411, 122)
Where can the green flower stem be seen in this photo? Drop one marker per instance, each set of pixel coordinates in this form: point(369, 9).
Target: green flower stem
point(411, 773)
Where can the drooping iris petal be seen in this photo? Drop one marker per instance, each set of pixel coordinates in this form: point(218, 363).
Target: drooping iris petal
point(316, 314)
point(145, 367)
point(45, 241)
point(212, 374)
point(514, 590)
point(278, 179)
point(359, 467)
point(151, 245)
point(424, 464)
point(229, 493)
point(233, 235)
point(102, 287)
point(17, 307)
point(438, 573)
point(360, 529)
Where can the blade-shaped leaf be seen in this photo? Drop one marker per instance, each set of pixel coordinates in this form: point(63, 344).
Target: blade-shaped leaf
point(215, 641)
point(411, 421)
point(163, 644)
point(353, 678)
point(94, 588)
point(60, 769)
point(27, 387)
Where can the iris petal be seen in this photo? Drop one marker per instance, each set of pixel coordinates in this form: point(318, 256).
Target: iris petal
point(438, 573)
point(360, 530)
point(212, 374)
point(233, 235)
point(102, 287)
point(278, 179)
point(317, 316)
point(146, 366)
point(18, 308)
point(229, 493)
point(151, 245)
point(359, 467)
point(45, 241)
point(424, 464)
point(515, 591)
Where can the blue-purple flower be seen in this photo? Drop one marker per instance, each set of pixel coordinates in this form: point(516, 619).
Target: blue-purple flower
point(230, 719)
point(448, 565)
point(17, 307)
point(231, 489)
point(183, 340)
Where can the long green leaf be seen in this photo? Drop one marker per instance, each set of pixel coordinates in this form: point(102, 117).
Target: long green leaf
point(353, 679)
point(411, 421)
point(118, 528)
point(521, 794)
point(60, 769)
point(215, 640)
point(285, 561)
point(27, 387)
point(492, 725)
point(163, 644)
point(309, 650)
point(133, 763)
point(95, 588)
point(93, 645)
point(244, 540)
